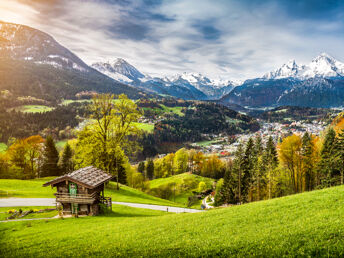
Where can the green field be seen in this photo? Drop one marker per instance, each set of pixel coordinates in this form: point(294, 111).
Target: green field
point(175, 110)
point(181, 195)
point(303, 225)
point(46, 214)
point(66, 102)
point(205, 143)
point(60, 144)
point(145, 127)
point(33, 108)
point(3, 147)
point(34, 189)
point(164, 109)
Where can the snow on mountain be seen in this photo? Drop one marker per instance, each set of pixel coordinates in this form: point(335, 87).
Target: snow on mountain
point(323, 66)
point(21, 42)
point(119, 70)
point(212, 88)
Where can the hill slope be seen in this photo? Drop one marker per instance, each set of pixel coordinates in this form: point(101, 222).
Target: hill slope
point(34, 189)
point(33, 63)
point(309, 224)
point(182, 186)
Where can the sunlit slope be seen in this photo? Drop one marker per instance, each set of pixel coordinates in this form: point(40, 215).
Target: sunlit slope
point(309, 224)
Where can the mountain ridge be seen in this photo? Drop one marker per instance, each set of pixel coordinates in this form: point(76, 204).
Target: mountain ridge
point(33, 63)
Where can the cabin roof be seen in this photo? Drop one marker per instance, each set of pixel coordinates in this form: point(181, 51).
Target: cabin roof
point(89, 177)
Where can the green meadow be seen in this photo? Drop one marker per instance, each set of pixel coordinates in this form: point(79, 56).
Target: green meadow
point(303, 225)
point(34, 189)
point(66, 102)
point(4, 212)
point(3, 147)
point(145, 127)
point(181, 192)
point(33, 108)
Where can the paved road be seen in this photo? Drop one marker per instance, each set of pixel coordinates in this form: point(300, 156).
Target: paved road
point(17, 202)
point(158, 207)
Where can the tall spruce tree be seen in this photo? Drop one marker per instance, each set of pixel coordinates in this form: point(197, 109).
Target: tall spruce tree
point(270, 160)
point(227, 191)
point(248, 170)
point(326, 166)
point(50, 159)
point(150, 169)
point(307, 162)
point(238, 173)
point(339, 154)
point(66, 160)
point(141, 167)
point(259, 168)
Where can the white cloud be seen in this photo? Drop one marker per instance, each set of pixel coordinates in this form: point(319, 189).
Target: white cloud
point(252, 40)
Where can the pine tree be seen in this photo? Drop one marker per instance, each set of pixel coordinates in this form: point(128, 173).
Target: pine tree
point(238, 173)
point(141, 167)
point(339, 154)
point(227, 191)
point(50, 159)
point(248, 170)
point(117, 165)
point(150, 169)
point(259, 168)
point(307, 161)
point(326, 166)
point(270, 160)
point(66, 160)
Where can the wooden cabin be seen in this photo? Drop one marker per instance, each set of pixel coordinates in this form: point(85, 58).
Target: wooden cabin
point(81, 191)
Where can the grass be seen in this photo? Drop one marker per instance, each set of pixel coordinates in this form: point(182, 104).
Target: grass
point(3, 147)
point(145, 127)
point(175, 110)
point(303, 225)
point(128, 194)
point(34, 189)
point(66, 102)
point(164, 109)
point(46, 214)
point(205, 143)
point(182, 195)
point(60, 144)
point(33, 108)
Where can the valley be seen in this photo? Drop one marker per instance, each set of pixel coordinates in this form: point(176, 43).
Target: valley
point(253, 166)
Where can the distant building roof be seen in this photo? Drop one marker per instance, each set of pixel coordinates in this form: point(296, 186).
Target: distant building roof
point(90, 177)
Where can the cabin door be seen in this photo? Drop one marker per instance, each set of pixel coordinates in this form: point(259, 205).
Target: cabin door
point(73, 191)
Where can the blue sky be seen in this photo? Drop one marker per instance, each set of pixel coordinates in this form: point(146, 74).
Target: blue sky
point(226, 39)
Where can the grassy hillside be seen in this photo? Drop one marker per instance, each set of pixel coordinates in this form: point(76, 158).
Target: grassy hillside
point(34, 189)
point(309, 224)
point(3, 147)
point(33, 108)
point(186, 183)
point(4, 212)
point(145, 127)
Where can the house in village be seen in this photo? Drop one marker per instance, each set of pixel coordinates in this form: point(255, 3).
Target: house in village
point(81, 191)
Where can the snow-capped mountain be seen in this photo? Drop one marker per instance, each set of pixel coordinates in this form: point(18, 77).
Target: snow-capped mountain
point(212, 88)
point(318, 84)
point(20, 42)
point(34, 64)
point(323, 66)
point(119, 70)
point(195, 85)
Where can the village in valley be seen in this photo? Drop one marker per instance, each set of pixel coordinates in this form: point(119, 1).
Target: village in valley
point(142, 128)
